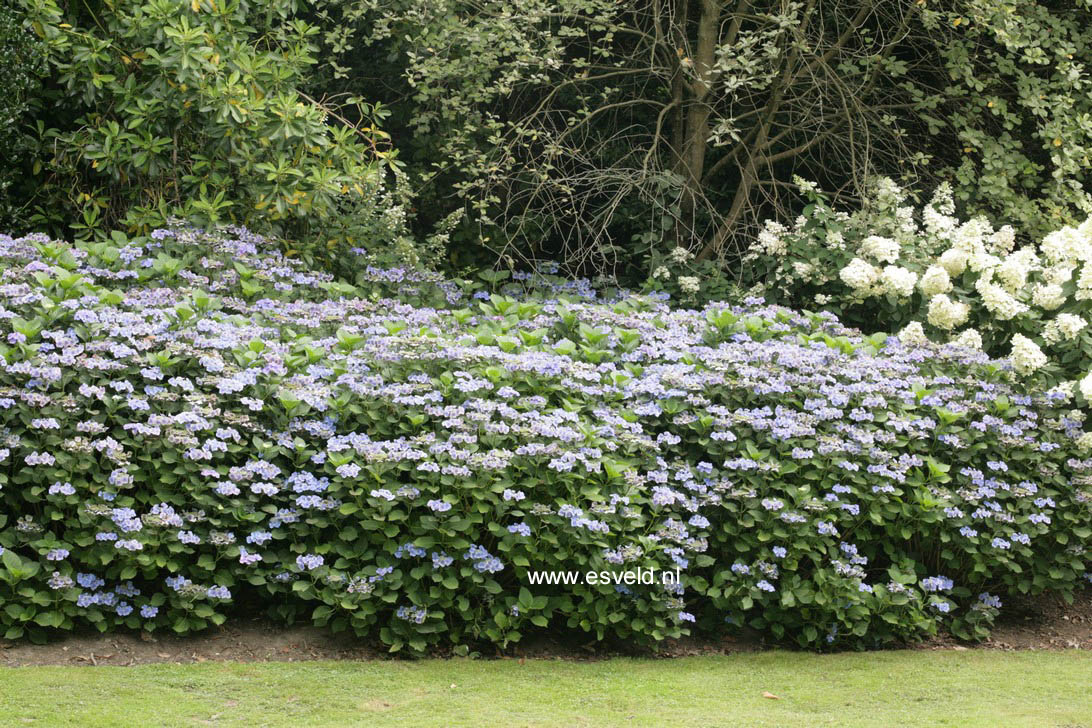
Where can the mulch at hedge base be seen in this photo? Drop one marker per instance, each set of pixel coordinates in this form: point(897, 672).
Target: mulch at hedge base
point(1044, 623)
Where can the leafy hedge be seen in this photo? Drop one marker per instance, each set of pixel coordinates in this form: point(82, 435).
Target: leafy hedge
point(194, 427)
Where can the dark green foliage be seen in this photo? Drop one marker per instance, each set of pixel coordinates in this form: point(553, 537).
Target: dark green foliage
point(22, 62)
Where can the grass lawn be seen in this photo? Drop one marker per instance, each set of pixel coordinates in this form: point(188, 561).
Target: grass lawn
point(904, 688)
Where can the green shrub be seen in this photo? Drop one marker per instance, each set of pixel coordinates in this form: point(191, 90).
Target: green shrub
point(21, 56)
point(195, 109)
point(195, 427)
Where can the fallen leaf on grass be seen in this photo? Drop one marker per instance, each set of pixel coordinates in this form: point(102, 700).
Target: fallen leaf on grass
point(770, 696)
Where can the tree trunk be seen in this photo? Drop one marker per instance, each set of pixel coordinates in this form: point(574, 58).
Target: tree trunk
point(693, 132)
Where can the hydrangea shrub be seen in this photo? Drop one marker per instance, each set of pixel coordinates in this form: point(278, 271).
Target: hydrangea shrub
point(930, 274)
point(195, 427)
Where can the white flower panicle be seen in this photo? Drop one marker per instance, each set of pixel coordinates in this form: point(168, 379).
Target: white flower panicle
point(997, 300)
point(898, 281)
point(954, 261)
point(946, 314)
point(935, 280)
point(1084, 284)
point(1063, 327)
point(885, 250)
point(802, 269)
point(1014, 270)
point(1048, 296)
point(689, 284)
point(904, 216)
point(913, 334)
point(970, 339)
point(979, 262)
point(1068, 245)
point(771, 240)
point(1058, 274)
point(1086, 387)
point(680, 255)
point(971, 236)
point(860, 276)
point(1026, 356)
point(1002, 241)
point(943, 199)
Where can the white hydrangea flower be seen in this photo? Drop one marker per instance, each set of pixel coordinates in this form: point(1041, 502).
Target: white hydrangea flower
point(1066, 245)
point(980, 261)
point(661, 272)
point(937, 224)
point(805, 185)
point(997, 300)
point(1058, 274)
point(971, 236)
point(1001, 242)
point(899, 281)
point(882, 249)
point(944, 313)
point(935, 280)
point(803, 270)
point(1064, 327)
point(904, 216)
point(943, 199)
point(771, 239)
point(913, 334)
point(1070, 324)
point(1026, 356)
point(954, 261)
point(888, 192)
point(822, 299)
point(970, 339)
point(1084, 442)
point(689, 284)
point(1085, 228)
point(1086, 387)
point(861, 276)
point(1084, 284)
point(680, 255)
point(1048, 296)
point(1013, 272)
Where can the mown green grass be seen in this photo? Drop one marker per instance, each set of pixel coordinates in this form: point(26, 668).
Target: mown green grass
point(907, 688)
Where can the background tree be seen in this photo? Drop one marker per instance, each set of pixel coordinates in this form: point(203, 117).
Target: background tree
point(197, 109)
point(602, 133)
